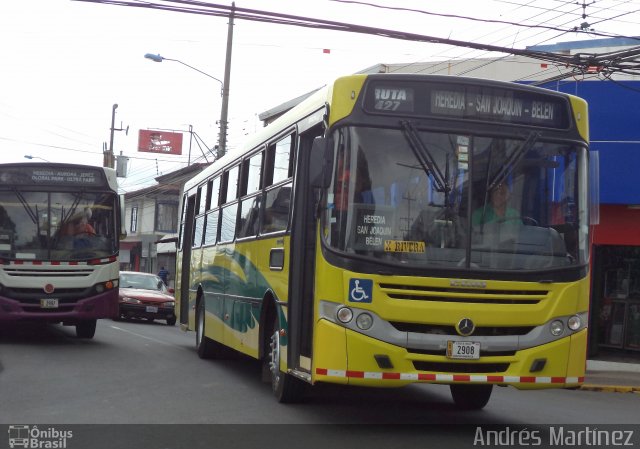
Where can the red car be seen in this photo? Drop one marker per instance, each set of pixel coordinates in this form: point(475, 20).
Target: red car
point(144, 295)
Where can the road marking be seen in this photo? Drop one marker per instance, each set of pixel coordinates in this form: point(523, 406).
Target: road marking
point(144, 336)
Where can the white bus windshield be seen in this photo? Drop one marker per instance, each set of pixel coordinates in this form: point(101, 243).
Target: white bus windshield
point(58, 226)
point(457, 201)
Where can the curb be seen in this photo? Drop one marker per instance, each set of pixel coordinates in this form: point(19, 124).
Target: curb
point(610, 388)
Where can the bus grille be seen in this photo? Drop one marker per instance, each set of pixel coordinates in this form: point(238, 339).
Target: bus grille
point(484, 331)
point(30, 272)
point(32, 296)
point(462, 295)
point(448, 367)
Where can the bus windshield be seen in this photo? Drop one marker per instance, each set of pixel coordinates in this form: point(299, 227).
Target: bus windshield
point(61, 226)
point(459, 201)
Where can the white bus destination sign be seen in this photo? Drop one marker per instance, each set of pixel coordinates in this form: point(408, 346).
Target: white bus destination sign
point(478, 103)
point(25, 175)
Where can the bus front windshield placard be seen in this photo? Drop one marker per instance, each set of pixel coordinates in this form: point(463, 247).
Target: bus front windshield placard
point(372, 226)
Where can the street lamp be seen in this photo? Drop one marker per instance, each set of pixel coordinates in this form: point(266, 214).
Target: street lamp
point(28, 156)
point(223, 93)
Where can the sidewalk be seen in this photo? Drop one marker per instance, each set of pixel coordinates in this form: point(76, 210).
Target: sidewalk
point(612, 376)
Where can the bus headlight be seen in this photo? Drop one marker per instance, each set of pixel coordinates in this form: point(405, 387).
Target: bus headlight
point(556, 328)
point(364, 321)
point(574, 323)
point(344, 314)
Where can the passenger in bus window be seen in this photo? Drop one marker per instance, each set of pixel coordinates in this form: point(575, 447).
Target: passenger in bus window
point(83, 226)
point(497, 209)
point(79, 224)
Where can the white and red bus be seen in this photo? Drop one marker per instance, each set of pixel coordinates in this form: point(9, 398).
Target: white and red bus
point(60, 226)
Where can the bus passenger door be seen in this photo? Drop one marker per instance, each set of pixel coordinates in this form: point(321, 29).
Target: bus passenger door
point(185, 261)
point(302, 266)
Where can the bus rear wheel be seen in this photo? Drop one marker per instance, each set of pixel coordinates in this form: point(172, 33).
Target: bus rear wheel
point(86, 329)
point(286, 388)
point(470, 397)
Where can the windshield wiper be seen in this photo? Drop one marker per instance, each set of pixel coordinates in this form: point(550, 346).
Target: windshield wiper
point(33, 215)
point(424, 156)
point(514, 159)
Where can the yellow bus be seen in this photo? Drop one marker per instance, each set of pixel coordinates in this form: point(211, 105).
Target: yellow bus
point(393, 229)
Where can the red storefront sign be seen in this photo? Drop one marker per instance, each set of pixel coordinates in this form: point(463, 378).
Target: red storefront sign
point(163, 142)
point(619, 225)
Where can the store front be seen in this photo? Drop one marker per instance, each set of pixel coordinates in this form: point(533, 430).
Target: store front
point(130, 251)
point(615, 294)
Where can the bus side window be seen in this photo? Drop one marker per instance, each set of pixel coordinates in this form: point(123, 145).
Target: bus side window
point(250, 202)
point(276, 213)
point(249, 217)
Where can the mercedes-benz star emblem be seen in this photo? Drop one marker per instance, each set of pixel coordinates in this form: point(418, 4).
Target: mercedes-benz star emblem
point(465, 327)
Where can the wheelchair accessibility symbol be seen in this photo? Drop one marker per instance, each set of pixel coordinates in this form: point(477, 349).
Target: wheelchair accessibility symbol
point(360, 290)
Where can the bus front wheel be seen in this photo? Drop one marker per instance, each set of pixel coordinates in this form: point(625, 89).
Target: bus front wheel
point(286, 388)
point(86, 329)
point(470, 397)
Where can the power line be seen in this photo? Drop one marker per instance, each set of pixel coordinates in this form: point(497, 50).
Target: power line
point(196, 7)
point(473, 19)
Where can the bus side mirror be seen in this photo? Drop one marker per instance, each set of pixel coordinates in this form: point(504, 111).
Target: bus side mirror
point(321, 162)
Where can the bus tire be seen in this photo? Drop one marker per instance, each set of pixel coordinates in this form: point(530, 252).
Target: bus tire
point(206, 347)
point(470, 397)
point(86, 329)
point(286, 388)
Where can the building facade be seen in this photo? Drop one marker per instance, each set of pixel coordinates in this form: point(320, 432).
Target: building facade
point(151, 218)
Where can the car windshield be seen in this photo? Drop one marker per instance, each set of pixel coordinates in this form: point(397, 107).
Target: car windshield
point(142, 281)
point(36, 225)
point(463, 201)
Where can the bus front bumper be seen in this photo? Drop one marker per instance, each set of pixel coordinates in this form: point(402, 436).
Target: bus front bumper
point(104, 305)
point(558, 364)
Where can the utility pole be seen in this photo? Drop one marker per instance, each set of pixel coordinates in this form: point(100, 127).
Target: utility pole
point(222, 145)
point(109, 159)
point(190, 142)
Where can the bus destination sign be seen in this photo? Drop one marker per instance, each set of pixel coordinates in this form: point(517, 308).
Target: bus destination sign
point(489, 104)
point(501, 106)
point(52, 176)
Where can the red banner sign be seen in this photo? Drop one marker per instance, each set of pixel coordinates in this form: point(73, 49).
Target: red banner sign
point(159, 142)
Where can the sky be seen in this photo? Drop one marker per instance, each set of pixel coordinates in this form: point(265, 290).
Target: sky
point(64, 64)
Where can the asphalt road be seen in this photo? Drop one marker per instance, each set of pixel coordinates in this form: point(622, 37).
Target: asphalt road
point(134, 372)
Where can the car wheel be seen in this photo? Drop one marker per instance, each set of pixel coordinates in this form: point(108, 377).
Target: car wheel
point(171, 321)
point(86, 329)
